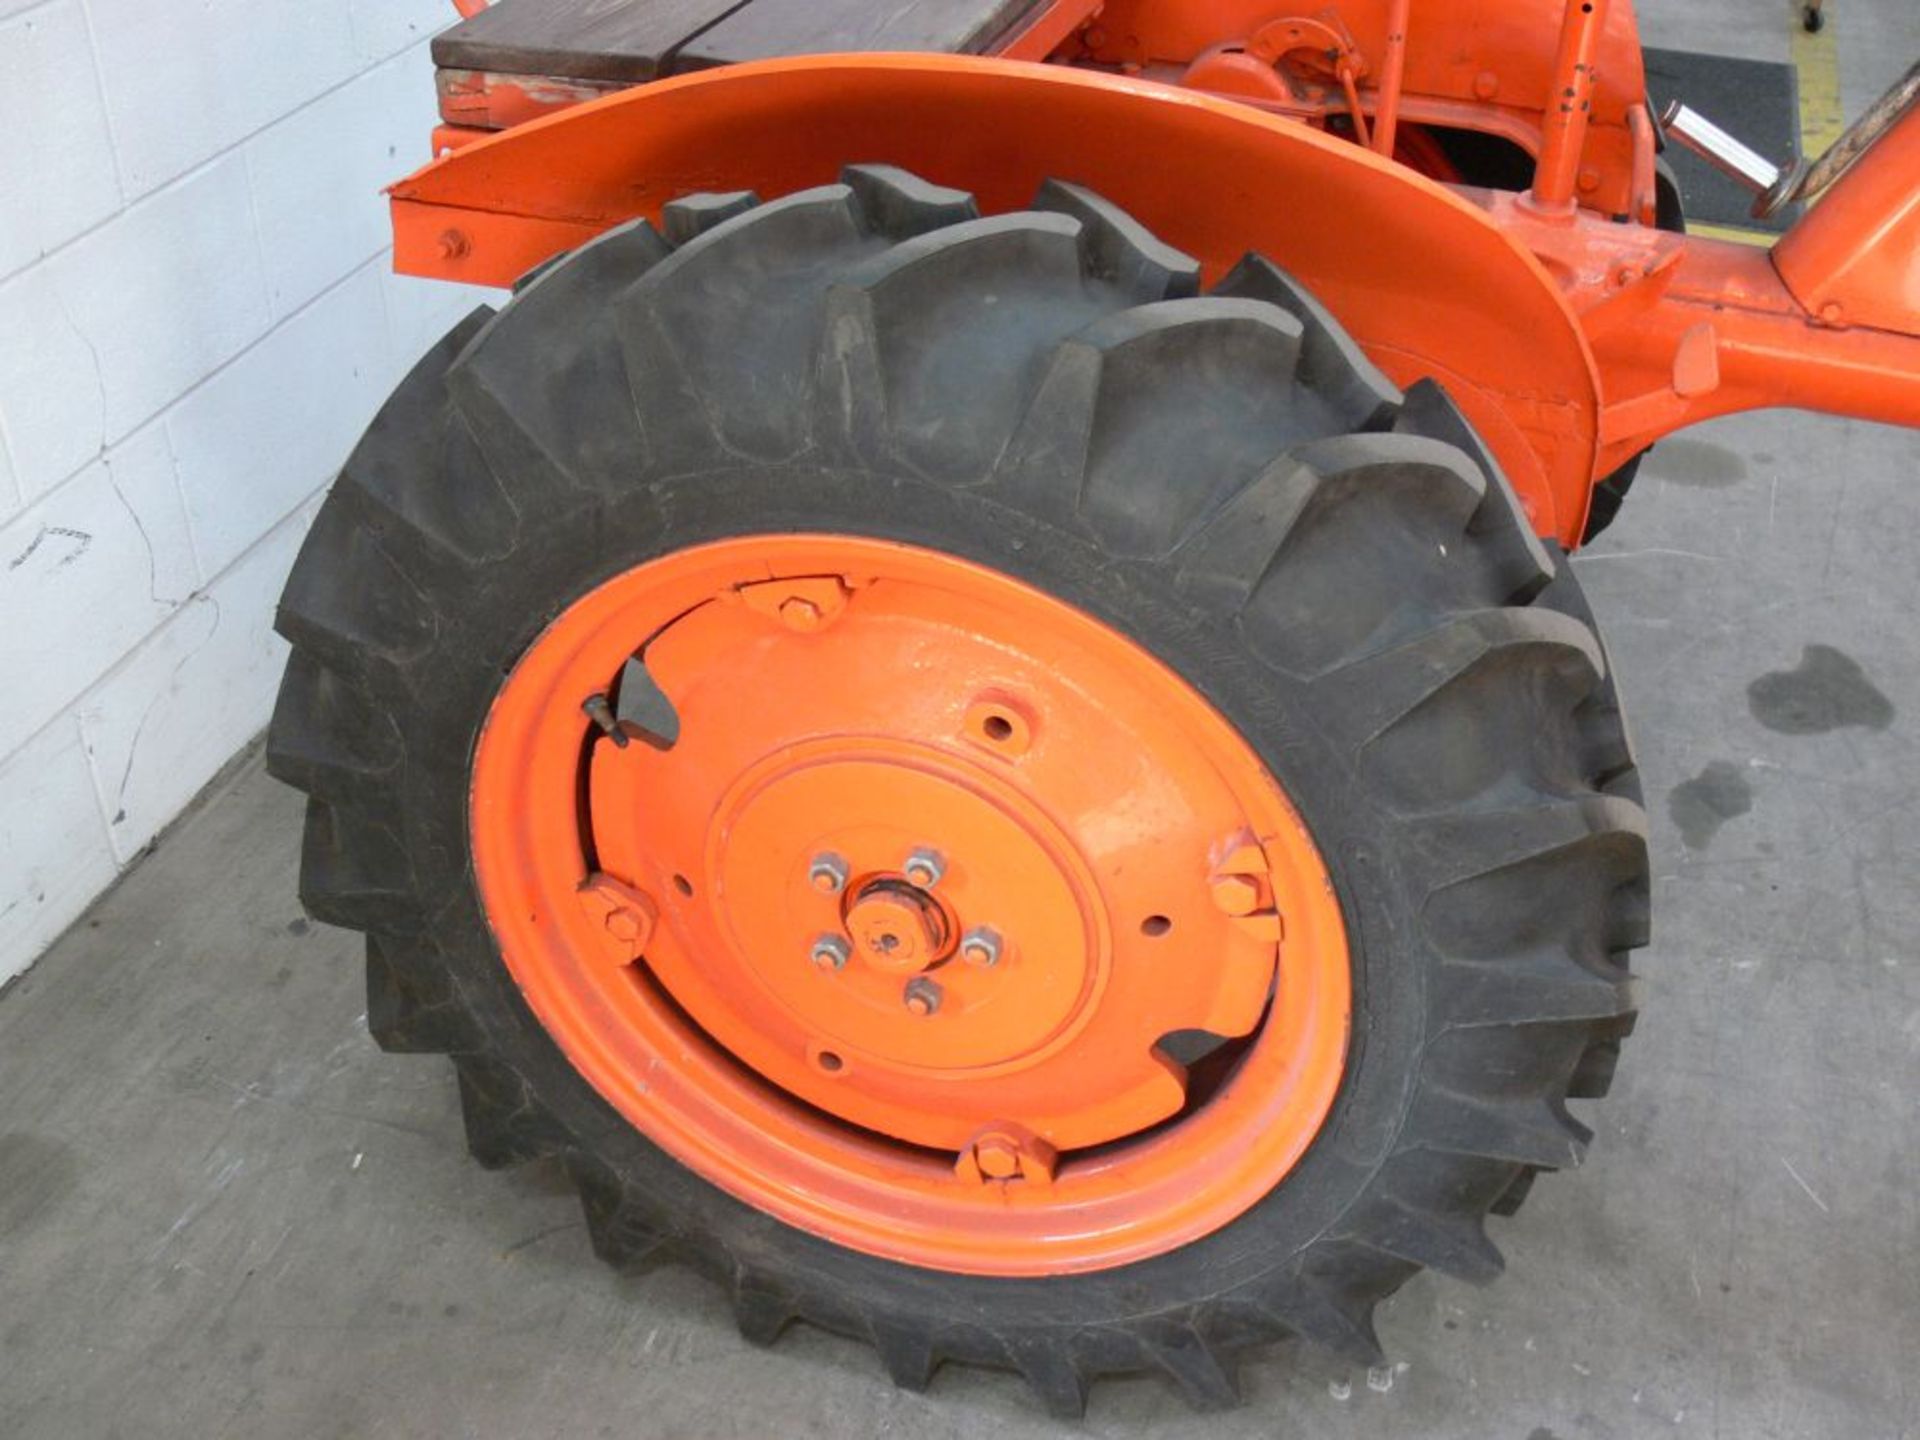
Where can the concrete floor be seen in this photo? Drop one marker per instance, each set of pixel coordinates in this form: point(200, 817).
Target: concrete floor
point(224, 1213)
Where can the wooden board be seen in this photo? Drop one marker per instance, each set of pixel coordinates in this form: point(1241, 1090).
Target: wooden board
point(633, 41)
point(622, 40)
point(763, 29)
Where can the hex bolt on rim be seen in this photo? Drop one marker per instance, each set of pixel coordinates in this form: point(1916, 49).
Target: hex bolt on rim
point(626, 915)
point(925, 867)
point(800, 614)
point(830, 952)
point(1006, 1152)
point(828, 873)
point(981, 946)
point(1236, 894)
point(998, 1157)
point(922, 996)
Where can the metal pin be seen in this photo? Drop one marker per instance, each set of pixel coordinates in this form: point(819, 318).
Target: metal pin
point(1768, 181)
point(601, 713)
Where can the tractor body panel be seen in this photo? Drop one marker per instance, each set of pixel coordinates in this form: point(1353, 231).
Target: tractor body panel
point(1572, 332)
point(1418, 274)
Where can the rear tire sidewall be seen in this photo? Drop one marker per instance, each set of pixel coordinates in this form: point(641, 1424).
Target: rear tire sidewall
point(512, 600)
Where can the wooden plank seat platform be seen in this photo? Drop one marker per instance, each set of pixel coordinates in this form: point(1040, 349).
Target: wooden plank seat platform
point(629, 42)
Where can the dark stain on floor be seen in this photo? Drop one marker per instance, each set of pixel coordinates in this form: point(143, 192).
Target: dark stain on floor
point(1826, 691)
point(1698, 462)
point(1700, 806)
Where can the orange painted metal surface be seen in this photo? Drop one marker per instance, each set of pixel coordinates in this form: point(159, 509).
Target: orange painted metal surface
point(1563, 148)
point(1418, 274)
point(480, 100)
point(924, 923)
point(448, 138)
point(1683, 329)
point(1485, 65)
point(1237, 76)
point(1393, 78)
point(1854, 258)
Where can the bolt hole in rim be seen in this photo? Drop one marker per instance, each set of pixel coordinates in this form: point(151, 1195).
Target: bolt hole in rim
point(998, 724)
point(831, 1097)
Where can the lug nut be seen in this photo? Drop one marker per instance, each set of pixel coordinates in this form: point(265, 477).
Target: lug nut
point(628, 915)
point(800, 614)
point(922, 995)
point(998, 1156)
point(828, 873)
point(1235, 894)
point(981, 946)
point(925, 866)
point(1006, 1151)
point(627, 926)
point(830, 952)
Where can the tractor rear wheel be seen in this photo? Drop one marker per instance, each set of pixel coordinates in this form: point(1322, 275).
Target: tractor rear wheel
point(993, 802)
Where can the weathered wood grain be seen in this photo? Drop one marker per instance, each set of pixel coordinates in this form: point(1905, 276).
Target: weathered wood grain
point(634, 41)
point(768, 28)
point(576, 39)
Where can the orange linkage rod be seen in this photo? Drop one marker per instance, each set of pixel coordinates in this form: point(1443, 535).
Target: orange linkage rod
point(1566, 121)
point(1386, 115)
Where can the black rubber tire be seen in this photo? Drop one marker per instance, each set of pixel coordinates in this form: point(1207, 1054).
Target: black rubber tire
point(1338, 567)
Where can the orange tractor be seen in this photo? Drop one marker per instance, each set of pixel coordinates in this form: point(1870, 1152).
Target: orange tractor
point(969, 704)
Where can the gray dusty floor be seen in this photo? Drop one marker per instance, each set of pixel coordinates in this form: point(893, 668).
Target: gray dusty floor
point(224, 1213)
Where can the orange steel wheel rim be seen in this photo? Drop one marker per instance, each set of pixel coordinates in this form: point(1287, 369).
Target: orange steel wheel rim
point(886, 940)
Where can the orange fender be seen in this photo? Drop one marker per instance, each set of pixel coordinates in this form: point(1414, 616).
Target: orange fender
point(1426, 282)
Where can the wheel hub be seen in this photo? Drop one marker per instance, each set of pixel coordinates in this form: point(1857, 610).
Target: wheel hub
point(873, 801)
point(897, 927)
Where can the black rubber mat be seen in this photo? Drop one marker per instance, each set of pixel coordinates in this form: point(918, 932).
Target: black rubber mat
point(1755, 101)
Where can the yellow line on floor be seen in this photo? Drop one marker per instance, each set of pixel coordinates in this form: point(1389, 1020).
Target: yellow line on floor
point(1738, 234)
point(1816, 64)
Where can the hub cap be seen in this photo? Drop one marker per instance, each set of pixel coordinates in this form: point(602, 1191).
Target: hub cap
point(903, 935)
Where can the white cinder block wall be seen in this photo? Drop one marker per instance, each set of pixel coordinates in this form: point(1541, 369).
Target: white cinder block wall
point(196, 322)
